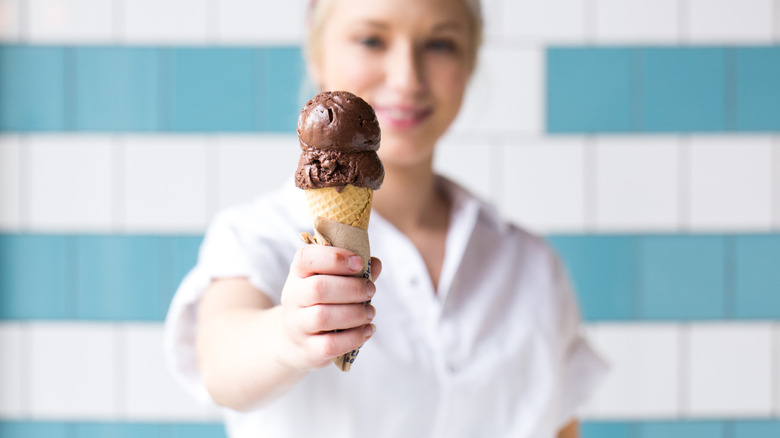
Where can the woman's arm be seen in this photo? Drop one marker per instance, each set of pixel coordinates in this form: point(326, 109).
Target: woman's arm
point(250, 351)
point(572, 430)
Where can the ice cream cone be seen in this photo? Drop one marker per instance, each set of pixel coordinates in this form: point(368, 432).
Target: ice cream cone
point(339, 170)
point(350, 206)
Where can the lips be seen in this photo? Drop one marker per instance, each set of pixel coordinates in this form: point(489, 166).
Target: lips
point(402, 117)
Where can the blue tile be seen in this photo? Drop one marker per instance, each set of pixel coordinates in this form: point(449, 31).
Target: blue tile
point(685, 89)
point(212, 89)
point(32, 85)
point(602, 269)
point(681, 429)
point(606, 430)
point(280, 80)
point(118, 430)
point(196, 431)
point(36, 277)
point(589, 90)
point(120, 278)
point(757, 429)
point(758, 89)
point(757, 277)
point(181, 255)
point(38, 429)
point(117, 89)
point(682, 277)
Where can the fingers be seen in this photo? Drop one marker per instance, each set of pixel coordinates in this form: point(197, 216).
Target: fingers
point(334, 344)
point(376, 268)
point(318, 259)
point(331, 289)
point(326, 318)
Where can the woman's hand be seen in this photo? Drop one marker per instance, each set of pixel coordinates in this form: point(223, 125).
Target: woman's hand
point(324, 307)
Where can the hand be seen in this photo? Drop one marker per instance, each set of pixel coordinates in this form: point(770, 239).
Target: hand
point(324, 309)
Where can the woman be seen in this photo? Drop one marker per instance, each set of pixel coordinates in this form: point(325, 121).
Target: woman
point(477, 329)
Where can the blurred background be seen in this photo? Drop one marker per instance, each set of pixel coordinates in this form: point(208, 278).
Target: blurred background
point(642, 137)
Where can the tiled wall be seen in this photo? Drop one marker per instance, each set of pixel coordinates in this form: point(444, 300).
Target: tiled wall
point(640, 136)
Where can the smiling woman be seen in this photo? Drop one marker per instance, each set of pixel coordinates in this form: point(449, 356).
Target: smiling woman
point(478, 329)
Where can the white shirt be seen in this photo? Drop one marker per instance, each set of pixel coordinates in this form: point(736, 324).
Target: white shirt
point(495, 351)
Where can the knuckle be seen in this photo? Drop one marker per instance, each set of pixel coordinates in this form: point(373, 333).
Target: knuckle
point(319, 287)
point(330, 345)
point(319, 317)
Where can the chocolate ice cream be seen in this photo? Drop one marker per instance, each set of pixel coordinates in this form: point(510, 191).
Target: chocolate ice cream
point(339, 135)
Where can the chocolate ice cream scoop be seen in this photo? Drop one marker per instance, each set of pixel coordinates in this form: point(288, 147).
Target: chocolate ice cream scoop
point(339, 135)
point(338, 120)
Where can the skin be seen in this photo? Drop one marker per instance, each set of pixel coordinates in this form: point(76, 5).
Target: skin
point(411, 60)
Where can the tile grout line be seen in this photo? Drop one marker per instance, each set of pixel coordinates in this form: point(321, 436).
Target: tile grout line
point(589, 184)
point(684, 188)
point(25, 182)
point(119, 158)
point(25, 377)
point(684, 361)
point(684, 27)
point(120, 357)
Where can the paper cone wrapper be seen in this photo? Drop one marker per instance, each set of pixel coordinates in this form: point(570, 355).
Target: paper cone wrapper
point(341, 220)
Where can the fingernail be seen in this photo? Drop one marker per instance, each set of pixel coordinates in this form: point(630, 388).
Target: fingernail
point(356, 263)
point(370, 330)
point(370, 311)
point(370, 289)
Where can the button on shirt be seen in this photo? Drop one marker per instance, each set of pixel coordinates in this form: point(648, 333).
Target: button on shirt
point(495, 351)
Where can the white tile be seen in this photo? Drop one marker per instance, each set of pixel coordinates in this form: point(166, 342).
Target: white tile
point(506, 93)
point(637, 183)
point(644, 370)
point(776, 369)
point(543, 184)
point(492, 16)
point(166, 21)
point(165, 186)
point(637, 21)
point(10, 182)
point(10, 29)
point(249, 166)
point(70, 182)
point(545, 21)
point(73, 21)
point(775, 190)
point(11, 370)
point(725, 21)
point(590, 409)
point(730, 181)
point(151, 394)
point(73, 368)
point(252, 21)
point(730, 370)
point(471, 165)
point(776, 20)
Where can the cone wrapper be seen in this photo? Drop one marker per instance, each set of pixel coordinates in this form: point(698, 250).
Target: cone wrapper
point(355, 239)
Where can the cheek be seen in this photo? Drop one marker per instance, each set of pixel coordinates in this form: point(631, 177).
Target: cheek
point(349, 73)
point(450, 85)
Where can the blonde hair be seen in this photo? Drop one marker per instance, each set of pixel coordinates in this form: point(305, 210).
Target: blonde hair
point(319, 11)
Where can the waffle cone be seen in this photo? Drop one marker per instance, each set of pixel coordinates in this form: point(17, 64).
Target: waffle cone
point(351, 206)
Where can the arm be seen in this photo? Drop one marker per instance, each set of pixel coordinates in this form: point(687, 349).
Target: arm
point(250, 351)
point(571, 430)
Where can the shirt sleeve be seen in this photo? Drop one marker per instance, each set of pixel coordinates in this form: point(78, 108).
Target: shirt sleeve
point(228, 250)
point(581, 368)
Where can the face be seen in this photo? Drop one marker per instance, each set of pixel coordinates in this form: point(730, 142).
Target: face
point(410, 59)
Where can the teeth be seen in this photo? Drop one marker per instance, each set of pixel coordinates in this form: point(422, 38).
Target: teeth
point(400, 114)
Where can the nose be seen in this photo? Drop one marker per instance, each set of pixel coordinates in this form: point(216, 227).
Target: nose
point(406, 71)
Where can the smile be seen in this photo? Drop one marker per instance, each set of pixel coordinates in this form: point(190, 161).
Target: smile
point(400, 117)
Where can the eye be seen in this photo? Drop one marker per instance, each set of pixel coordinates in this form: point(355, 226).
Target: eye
point(371, 42)
point(441, 45)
